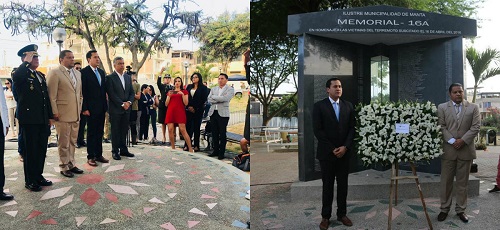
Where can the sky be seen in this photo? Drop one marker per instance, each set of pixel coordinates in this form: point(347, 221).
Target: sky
point(9, 45)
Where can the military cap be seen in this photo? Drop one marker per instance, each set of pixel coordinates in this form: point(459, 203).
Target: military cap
point(168, 76)
point(28, 48)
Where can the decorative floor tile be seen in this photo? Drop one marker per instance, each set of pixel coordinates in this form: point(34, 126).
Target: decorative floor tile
point(33, 214)
point(197, 211)
point(126, 212)
point(192, 223)
point(90, 179)
point(49, 222)
point(168, 226)
point(66, 200)
point(111, 197)
point(80, 220)
point(211, 205)
point(395, 213)
point(123, 189)
point(90, 196)
point(148, 209)
point(412, 215)
point(156, 200)
point(114, 168)
point(55, 193)
point(107, 221)
point(12, 213)
point(362, 209)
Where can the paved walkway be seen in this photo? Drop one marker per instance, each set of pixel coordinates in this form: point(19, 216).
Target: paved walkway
point(272, 206)
point(157, 189)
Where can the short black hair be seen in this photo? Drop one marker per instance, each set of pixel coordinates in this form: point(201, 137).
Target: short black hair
point(78, 63)
point(225, 75)
point(329, 81)
point(453, 85)
point(63, 53)
point(89, 54)
point(152, 90)
point(143, 86)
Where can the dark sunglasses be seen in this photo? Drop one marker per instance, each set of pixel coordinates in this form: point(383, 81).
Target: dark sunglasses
point(7, 83)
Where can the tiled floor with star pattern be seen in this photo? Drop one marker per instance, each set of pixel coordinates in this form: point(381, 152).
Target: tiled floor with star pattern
point(157, 189)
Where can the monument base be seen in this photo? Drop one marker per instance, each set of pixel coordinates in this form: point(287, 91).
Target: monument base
point(372, 185)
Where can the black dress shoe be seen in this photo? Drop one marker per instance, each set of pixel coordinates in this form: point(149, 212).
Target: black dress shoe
point(220, 158)
point(495, 189)
point(214, 154)
point(33, 187)
point(67, 173)
point(45, 182)
point(442, 216)
point(127, 154)
point(463, 217)
point(116, 156)
point(5, 196)
point(76, 170)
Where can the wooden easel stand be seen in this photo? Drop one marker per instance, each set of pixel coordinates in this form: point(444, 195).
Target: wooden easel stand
point(394, 191)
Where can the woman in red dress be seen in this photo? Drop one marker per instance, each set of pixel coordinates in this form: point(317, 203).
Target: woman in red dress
point(176, 101)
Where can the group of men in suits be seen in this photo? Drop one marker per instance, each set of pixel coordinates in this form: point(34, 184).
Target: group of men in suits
point(334, 128)
point(60, 98)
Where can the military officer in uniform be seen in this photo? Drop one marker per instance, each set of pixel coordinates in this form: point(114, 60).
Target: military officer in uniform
point(34, 112)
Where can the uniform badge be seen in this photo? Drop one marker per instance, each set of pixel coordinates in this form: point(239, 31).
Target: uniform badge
point(32, 76)
point(31, 87)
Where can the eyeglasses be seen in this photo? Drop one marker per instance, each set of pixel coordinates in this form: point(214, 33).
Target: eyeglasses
point(78, 68)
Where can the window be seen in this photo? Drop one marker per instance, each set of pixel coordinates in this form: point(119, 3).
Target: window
point(380, 85)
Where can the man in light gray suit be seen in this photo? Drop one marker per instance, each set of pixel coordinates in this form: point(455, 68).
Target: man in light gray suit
point(459, 121)
point(219, 97)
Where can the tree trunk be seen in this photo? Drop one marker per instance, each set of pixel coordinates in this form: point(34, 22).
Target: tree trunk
point(108, 58)
point(474, 96)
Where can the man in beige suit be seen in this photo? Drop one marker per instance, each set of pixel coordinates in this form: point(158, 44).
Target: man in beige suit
point(65, 92)
point(459, 121)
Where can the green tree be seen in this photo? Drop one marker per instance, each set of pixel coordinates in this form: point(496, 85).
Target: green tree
point(171, 72)
point(268, 33)
point(87, 19)
point(225, 38)
point(269, 69)
point(480, 64)
point(109, 23)
point(204, 70)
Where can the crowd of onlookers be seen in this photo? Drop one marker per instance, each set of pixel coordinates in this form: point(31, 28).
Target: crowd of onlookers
point(78, 101)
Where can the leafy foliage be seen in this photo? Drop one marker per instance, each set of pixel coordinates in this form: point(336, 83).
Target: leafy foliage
point(204, 70)
point(225, 38)
point(109, 23)
point(272, 64)
point(279, 108)
point(480, 64)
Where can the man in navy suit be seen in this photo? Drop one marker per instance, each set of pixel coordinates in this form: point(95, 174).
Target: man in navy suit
point(333, 121)
point(94, 106)
point(120, 95)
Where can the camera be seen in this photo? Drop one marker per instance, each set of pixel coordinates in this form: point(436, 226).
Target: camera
point(129, 70)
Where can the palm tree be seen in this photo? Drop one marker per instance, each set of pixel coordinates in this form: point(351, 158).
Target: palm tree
point(204, 70)
point(480, 63)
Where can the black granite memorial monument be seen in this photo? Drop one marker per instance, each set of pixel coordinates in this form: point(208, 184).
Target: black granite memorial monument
point(379, 52)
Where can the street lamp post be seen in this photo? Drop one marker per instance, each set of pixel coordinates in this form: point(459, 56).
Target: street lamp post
point(59, 35)
point(186, 65)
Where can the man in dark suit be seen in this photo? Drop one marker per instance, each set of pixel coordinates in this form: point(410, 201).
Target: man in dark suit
point(333, 120)
point(80, 141)
point(120, 95)
point(34, 112)
point(94, 106)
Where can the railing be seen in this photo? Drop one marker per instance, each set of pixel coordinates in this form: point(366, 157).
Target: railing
point(256, 120)
point(237, 117)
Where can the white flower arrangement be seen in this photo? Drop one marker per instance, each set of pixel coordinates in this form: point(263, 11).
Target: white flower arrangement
point(378, 141)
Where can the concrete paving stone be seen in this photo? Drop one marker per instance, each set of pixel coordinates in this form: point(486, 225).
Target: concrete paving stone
point(130, 193)
point(273, 206)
